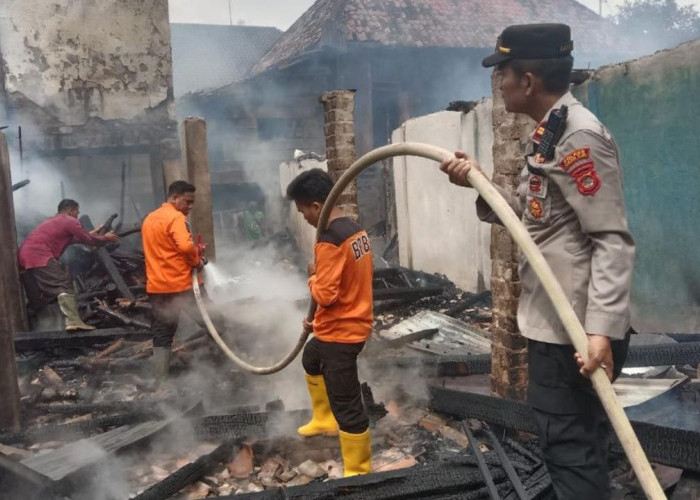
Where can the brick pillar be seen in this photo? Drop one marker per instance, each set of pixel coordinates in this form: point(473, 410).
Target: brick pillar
point(509, 348)
point(339, 129)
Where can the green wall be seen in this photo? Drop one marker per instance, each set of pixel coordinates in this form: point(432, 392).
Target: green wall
point(652, 107)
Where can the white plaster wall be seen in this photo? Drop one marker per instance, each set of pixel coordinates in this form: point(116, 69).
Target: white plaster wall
point(303, 232)
point(437, 224)
point(80, 59)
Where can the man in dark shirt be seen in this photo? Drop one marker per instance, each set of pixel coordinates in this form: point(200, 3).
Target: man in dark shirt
point(45, 279)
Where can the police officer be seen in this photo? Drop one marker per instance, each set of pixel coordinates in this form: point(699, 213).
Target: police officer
point(572, 204)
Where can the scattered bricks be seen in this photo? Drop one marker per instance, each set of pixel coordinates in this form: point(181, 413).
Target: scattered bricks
point(431, 422)
point(197, 491)
point(454, 435)
point(241, 467)
point(392, 459)
point(51, 377)
point(300, 480)
point(332, 468)
point(311, 469)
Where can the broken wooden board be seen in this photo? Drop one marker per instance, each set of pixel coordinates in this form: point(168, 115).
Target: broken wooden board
point(27, 341)
point(71, 458)
point(452, 338)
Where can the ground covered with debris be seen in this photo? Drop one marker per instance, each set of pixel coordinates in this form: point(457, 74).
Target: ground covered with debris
point(95, 426)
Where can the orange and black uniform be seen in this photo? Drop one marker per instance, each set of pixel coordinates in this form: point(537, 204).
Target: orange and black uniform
point(342, 288)
point(170, 255)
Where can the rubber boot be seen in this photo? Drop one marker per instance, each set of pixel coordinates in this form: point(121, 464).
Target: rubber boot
point(161, 364)
point(69, 307)
point(322, 419)
point(357, 453)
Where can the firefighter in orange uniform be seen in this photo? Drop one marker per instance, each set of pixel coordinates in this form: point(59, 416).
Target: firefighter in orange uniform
point(340, 280)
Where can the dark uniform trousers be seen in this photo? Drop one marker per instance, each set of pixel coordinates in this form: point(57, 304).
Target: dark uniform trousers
point(573, 428)
point(338, 364)
point(165, 314)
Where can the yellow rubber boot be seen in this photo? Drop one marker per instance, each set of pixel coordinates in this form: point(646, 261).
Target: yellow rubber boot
point(322, 419)
point(357, 453)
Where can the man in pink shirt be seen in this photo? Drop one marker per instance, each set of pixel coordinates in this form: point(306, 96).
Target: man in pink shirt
point(44, 277)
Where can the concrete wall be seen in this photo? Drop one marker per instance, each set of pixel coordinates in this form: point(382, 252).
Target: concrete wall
point(651, 105)
point(437, 226)
point(90, 84)
point(304, 234)
point(80, 59)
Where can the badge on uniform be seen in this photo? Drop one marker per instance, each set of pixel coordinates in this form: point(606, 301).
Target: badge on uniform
point(535, 208)
point(574, 157)
point(538, 134)
point(535, 183)
point(587, 179)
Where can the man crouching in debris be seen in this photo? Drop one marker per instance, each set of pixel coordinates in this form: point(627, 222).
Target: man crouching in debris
point(570, 200)
point(170, 254)
point(45, 279)
point(340, 280)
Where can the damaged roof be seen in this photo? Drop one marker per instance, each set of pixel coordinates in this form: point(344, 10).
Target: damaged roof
point(207, 56)
point(430, 23)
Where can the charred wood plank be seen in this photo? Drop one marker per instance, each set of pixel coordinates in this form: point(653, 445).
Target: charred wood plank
point(83, 408)
point(76, 429)
point(190, 473)
point(31, 341)
point(246, 424)
point(683, 353)
point(483, 468)
point(128, 321)
point(406, 293)
point(666, 445)
point(508, 467)
point(108, 263)
point(18, 479)
point(69, 460)
point(467, 303)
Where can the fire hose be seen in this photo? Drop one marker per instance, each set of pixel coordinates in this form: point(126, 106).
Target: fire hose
point(512, 222)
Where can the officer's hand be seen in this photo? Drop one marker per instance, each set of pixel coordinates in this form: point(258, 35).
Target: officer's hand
point(112, 237)
point(308, 326)
point(200, 265)
point(457, 168)
point(599, 355)
point(311, 269)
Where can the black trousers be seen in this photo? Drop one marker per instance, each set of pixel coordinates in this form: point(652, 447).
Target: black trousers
point(573, 428)
point(165, 314)
point(338, 364)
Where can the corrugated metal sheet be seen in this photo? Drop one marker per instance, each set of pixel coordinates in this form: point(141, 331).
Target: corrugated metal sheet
point(453, 337)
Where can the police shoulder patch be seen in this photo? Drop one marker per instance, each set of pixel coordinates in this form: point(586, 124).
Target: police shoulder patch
point(574, 157)
point(535, 208)
point(586, 178)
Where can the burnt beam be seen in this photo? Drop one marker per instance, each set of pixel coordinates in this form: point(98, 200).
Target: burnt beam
point(665, 445)
point(12, 314)
point(190, 473)
point(109, 265)
point(31, 341)
point(682, 353)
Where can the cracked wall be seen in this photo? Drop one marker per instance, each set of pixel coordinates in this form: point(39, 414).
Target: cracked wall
point(82, 59)
point(70, 63)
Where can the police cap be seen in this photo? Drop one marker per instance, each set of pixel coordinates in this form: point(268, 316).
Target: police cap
point(531, 41)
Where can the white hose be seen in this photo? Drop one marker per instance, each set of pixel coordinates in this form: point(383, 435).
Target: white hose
point(512, 222)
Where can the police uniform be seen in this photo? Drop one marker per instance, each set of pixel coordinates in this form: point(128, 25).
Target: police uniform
point(573, 207)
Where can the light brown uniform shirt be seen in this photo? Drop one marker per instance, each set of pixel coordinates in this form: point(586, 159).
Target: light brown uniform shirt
point(573, 207)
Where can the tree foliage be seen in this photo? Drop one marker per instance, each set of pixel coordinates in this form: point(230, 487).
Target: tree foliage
point(658, 24)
